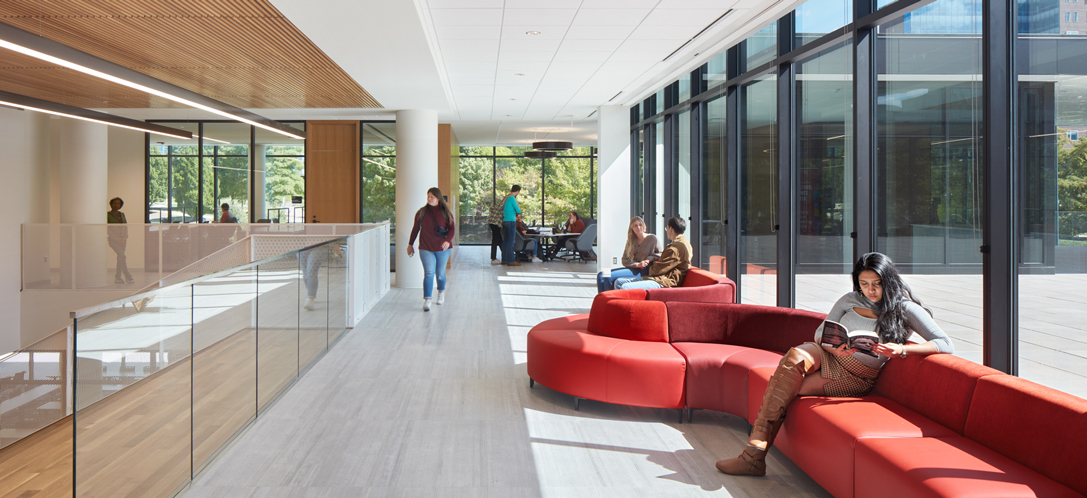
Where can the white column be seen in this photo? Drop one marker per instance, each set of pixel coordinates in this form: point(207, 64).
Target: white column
point(416, 171)
point(613, 184)
point(84, 178)
point(259, 208)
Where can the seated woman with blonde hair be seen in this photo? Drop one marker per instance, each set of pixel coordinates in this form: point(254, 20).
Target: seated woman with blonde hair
point(641, 250)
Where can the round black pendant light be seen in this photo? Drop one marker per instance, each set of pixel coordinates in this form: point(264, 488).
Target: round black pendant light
point(552, 145)
point(539, 154)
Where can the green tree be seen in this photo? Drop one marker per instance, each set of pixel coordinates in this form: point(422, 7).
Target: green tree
point(1071, 185)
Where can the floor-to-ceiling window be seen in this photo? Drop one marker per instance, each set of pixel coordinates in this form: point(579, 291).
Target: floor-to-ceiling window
point(1052, 179)
point(280, 181)
point(226, 171)
point(378, 200)
point(928, 174)
point(824, 165)
point(712, 187)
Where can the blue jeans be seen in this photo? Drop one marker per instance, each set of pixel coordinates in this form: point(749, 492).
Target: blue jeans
point(608, 283)
point(637, 283)
point(509, 237)
point(433, 262)
point(531, 249)
point(310, 264)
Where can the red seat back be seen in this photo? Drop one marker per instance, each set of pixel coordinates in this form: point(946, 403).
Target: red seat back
point(626, 314)
point(937, 386)
point(762, 327)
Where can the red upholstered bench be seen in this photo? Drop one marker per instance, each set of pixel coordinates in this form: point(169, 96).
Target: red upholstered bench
point(934, 426)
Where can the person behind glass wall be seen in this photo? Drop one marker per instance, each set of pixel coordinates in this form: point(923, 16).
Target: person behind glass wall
point(309, 262)
point(118, 239)
point(510, 210)
point(641, 250)
point(668, 270)
point(494, 222)
point(881, 302)
point(434, 226)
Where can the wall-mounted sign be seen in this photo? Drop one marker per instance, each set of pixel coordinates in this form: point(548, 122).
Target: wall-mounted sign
point(296, 199)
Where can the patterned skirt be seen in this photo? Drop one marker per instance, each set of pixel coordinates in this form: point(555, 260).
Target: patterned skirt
point(848, 377)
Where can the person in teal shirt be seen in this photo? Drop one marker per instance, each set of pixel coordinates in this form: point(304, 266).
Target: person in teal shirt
point(509, 226)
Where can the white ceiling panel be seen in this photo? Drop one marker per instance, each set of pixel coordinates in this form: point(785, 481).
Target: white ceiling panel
point(565, 55)
point(682, 33)
point(537, 45)
point(696, 4)
point(683, 17)
point(619, 4)
point(586, 68)
point(610, 17)
point(521, 32)
point(526, 67)
point(585, 32)
point(471, 91)
point(466, 17)
point(468, 32)
point(542, 4)
point(538, 17)
point(525, 55)
point(452, 57)
point(476, 66)
point(650, 49)
point(469, 46)
point(590, 45)
point(464, 4)
point(457, 74)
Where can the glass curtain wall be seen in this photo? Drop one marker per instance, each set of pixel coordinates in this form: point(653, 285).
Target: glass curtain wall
point(1052, 170)
point(758, 191)
point(928, 178)
point(681, 187)
point(378, 164)
point(187, 182)
point(824, 165)
point(713, 191)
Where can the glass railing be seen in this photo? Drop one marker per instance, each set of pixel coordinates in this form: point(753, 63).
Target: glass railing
point(163, 379)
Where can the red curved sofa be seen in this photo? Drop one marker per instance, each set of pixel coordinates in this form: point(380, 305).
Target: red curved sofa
point(934, 426)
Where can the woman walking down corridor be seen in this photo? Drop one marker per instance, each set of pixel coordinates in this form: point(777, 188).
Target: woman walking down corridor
point(881, 302)
point(435, 227)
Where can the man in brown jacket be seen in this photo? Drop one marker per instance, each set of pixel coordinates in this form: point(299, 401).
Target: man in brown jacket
point(671, 267)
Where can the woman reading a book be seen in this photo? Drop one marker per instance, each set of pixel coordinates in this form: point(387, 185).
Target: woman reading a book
point(846, 364)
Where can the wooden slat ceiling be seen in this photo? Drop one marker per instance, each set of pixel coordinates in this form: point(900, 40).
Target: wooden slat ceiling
point(240, 52)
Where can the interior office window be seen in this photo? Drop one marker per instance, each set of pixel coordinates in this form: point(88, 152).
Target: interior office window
point(477, 194)
point(226, 171)
point(712, 183)
point(1053, 212)
point(928, 189)
point(824, 158)
point(758, 192)
point(378, 172)
point(279, 176)
point(173, 178)
point(816, 18)
point(761, 47)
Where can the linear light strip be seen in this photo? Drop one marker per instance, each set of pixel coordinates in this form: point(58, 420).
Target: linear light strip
point(7, 32)
point(32, 104)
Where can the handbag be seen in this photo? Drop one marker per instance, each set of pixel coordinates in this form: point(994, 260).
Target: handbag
point(442, 232)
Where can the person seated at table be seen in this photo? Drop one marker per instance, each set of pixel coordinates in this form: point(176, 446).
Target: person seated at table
point(671, 267)
point(574, 225)
point(641, 250)
point(531, 247)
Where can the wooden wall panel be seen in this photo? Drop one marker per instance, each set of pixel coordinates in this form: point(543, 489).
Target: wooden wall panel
point(449, 177)
point(332, 171)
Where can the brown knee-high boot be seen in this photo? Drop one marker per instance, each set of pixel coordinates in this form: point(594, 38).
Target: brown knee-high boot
point(783, 387)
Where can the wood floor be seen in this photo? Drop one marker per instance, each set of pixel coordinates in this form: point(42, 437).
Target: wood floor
point(437, 404)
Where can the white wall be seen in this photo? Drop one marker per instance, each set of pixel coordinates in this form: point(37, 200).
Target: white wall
point(613, 181)
point(24, 147)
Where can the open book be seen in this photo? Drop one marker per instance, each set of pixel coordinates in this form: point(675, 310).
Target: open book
point(835, 334)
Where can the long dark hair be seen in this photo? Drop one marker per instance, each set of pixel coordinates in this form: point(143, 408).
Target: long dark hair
point(891, 308)
point(437, 192)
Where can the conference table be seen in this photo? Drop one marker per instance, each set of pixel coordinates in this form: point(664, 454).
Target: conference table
point(545, 241)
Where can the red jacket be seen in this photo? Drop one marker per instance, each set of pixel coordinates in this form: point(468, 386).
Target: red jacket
point(425, 221)
point(577, 226)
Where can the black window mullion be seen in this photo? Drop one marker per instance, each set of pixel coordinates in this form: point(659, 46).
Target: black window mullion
point(732, 209)
point(649, 178)
point(785, 224)
point(671, 165)
point(694, 221)
point(1000, 281)
point(199, 175)
point(864, 134)
point(635, 209)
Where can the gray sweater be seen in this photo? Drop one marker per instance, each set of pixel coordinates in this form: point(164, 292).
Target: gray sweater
point(917, 320)
point(650, 248)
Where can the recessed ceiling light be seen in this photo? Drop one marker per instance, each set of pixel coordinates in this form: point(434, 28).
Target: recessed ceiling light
point(513, 99)
point(518, 74)
point(532, 32)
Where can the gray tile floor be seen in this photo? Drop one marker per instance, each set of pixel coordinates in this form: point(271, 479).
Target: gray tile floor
point(438, 404)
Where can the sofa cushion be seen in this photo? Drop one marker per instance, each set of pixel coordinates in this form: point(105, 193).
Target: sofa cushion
point(717, 374)
point(645, 374)
point(716, 293)
point(937, 386)
point(620, 314)
point(570, 361)
point(819, 434)
point(697, 277)
point(944, 466)
point(761, 327)
point(571, 322)
point(1039, 427)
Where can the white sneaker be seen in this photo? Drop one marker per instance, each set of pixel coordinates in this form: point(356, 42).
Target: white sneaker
point(495, 262)
point(426, 305)
point(309, 303)
point(441, 298)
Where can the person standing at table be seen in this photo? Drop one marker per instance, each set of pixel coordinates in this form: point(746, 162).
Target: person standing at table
point(118, 239)
point(510, 210)
point(434, 226)
point(671, 268)
point(494, 222)
point(642, 249)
